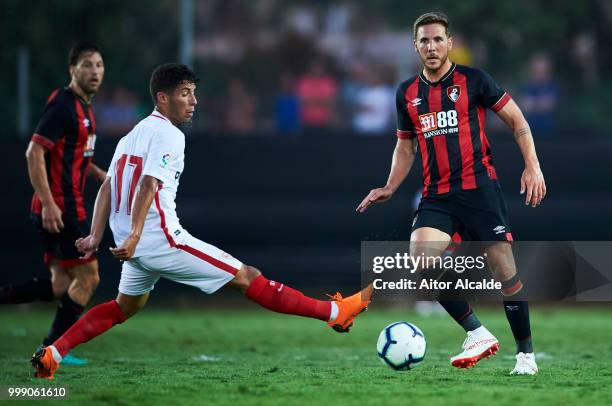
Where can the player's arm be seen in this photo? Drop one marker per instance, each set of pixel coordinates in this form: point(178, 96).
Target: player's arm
point(89, 245)
point(403, 158)
point(37, 170)
point(96, 172)
point(532, 179)
point(142, 202)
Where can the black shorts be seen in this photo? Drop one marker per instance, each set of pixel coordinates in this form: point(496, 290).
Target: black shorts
point(61, 246)
point(477, 215)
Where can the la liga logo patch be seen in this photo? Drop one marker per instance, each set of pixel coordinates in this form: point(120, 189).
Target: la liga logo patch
point(165, 160)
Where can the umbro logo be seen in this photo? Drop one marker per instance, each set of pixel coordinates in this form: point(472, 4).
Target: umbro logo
point(86, 122)
point(499, 229)
point(511, 308)
point(415, 102)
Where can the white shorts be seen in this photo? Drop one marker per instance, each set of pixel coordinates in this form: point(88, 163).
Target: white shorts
point(193, 263)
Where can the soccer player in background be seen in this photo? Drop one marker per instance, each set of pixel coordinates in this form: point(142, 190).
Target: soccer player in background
point(59, 160)
point(139, 195)
point(441, 112)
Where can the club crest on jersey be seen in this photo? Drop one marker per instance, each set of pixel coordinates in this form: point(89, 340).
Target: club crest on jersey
point(453, 93)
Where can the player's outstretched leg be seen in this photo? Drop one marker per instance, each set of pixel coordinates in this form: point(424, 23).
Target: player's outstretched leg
point(339, 313)
point(96, 321)
point(479, 343)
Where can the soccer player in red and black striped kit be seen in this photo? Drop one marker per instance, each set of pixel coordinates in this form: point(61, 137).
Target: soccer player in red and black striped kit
point(59, 160)
point(441, 112)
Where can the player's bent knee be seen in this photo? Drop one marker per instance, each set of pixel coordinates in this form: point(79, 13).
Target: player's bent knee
point(60, 281)
point(252, 273)
point(87, 276)
point(244, 277)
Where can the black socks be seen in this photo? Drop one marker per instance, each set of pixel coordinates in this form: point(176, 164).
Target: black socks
point(68, 312)
point(461, 311)
point(517, 313)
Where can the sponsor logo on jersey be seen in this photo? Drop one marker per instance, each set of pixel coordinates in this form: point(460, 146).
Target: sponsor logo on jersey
point(453, 93)
point(439, 123)
point(90, 146)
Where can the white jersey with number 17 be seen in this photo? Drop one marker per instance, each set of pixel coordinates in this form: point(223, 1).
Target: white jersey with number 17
point(154, 147)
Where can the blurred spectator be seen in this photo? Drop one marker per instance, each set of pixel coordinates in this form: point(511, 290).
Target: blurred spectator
point(351, 86)
point(119, 113)
point(540, 96)
point(585, 54)
point(374, 104)
point(240, 108)
point(317, 91)
point(287, 106)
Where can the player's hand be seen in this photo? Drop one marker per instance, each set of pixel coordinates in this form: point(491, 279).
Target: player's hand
point(87, 246)
point(127, 249)
point(52, 218)
point(375, 196)
point(533, 185)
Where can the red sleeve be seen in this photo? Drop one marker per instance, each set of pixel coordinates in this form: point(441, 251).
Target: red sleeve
point(45, 142)
point(404, 134)
point(501, 102)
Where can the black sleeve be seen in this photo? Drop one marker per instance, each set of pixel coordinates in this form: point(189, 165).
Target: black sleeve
point(53, 125)
point(405, 128)
point(493, 96)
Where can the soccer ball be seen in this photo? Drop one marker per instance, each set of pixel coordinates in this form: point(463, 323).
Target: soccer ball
point(401, 345)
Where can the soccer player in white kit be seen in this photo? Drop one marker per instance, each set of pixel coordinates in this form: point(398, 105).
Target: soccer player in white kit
point(137, 198)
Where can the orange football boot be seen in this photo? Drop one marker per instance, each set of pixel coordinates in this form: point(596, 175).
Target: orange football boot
point(349, 308)
point(44, 363)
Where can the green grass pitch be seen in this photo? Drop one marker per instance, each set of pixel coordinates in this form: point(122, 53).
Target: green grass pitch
point(235, 357)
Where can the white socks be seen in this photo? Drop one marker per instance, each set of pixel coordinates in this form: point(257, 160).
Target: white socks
point(56, 355)
point(334, 311)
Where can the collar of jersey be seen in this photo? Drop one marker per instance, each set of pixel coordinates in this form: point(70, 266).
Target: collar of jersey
point(442, 79)
point(69, 89)
point(157, 114)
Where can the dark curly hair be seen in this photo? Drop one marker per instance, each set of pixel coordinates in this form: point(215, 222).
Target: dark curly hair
point(82, 47)
point(168, 76)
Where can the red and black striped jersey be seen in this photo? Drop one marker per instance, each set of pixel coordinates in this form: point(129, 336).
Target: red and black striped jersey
point(67, 128)
point(448, 120)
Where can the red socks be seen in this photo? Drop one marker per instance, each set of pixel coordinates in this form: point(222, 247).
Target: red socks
point(283, 299)
point(95, 322)
point(269, 294)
